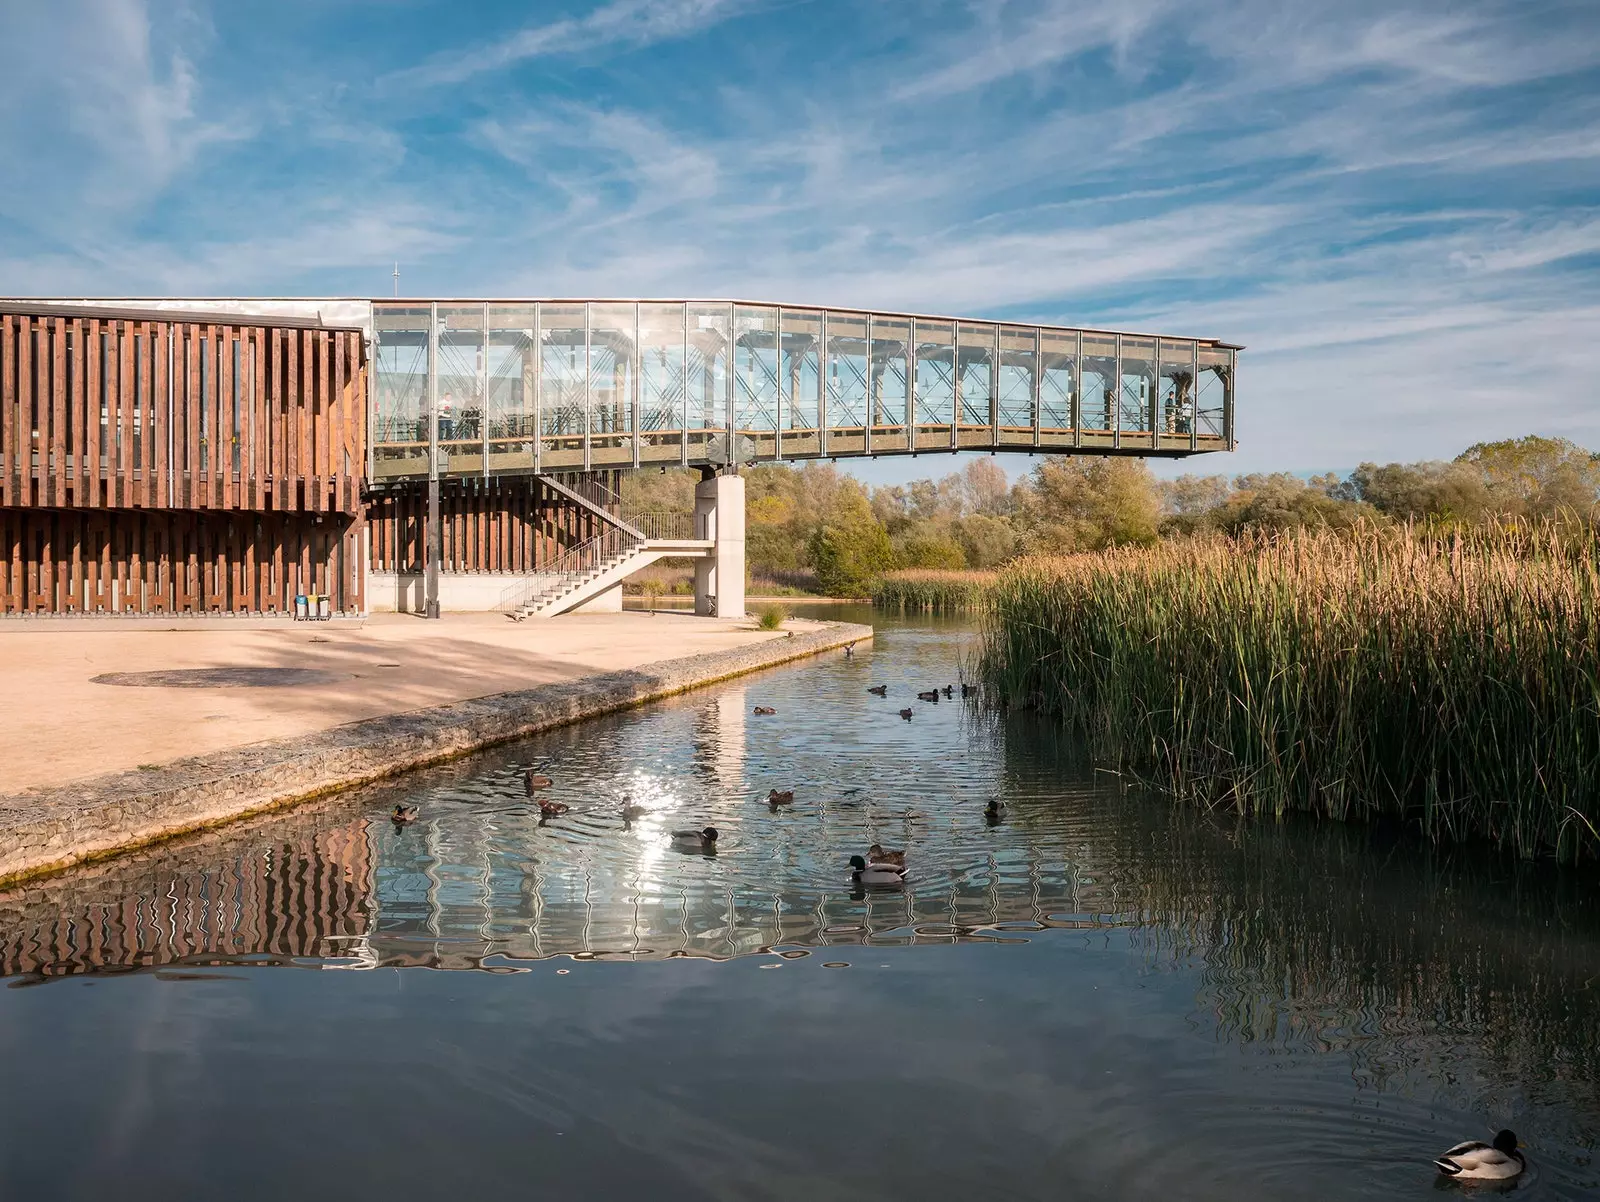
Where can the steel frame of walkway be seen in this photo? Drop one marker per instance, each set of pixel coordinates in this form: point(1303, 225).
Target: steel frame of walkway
point(492, 387)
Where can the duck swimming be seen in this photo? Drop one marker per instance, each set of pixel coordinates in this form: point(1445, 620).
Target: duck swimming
point(876, 874)
point(1475, 1160)
point(533, 781)
point(552, 809)
point(765, 709)
point(403, 814)
point(930, 695)
point(631, 810)
point(882, 690)
point(907, 714)
point(704, 840)
point(949, 690)
point(876, 854)
point(994, 811)
point(785, 798)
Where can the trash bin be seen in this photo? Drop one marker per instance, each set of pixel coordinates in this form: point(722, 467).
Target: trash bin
point(302, 607)
point(324, 608)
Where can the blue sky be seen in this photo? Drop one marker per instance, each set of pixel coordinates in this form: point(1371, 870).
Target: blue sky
point(1395, 206)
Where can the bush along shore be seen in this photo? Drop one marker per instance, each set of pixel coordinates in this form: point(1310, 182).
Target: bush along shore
point(1451, 682)
point(939, 591)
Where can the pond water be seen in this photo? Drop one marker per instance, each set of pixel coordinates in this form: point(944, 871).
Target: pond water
point(1101, 996)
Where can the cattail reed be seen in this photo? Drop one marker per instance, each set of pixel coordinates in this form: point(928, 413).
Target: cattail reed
point(1451, 682)
point(929, 589)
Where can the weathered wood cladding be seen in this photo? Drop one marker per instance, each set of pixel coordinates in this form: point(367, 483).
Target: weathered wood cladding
point(503, 524)
point(113, 413)
point(141, 561)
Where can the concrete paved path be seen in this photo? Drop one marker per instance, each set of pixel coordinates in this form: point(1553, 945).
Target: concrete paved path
point(57, 725)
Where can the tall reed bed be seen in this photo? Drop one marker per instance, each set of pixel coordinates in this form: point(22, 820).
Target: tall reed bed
point(926, 589)
point(1450, 683)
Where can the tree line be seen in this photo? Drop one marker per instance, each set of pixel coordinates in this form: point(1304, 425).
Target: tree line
point(816, 519)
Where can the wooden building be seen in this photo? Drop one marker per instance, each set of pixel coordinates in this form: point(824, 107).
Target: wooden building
point(229, 456)
point(159, 462)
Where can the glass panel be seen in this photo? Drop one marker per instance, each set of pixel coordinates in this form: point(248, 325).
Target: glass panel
point(1018, 367)
point(661, 382)
point(847, 375)
point(563, 380)
point(1138, 384)
point(512, 367)
point(976, 345)
point(936, 383)
point(1057, 374)
point(801, 381)
point(1214, 392)
point(1175, 389)
point(1099, 381)
point(708, 383)
point(755, 382)
point(890, 398)
point(613, 366)
point(460, 385)
point(400, 390)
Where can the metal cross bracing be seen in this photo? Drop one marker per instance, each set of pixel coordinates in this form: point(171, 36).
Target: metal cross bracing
point(467, 388)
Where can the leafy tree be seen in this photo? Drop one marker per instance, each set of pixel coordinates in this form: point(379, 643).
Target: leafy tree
point(1537, 475)
point(850, 547)
point(984, 488)
point(986, 541)
point(927, 545)
point(1281, 501)
point(1086, 503)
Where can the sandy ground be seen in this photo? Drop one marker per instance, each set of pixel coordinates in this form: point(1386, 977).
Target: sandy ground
point(57, 725)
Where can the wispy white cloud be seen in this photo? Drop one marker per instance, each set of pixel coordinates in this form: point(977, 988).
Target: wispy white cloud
point(1392, 204)
point(621, 24)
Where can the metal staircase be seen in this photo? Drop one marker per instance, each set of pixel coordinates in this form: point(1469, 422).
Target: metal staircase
point(583, 572)
point(567, 582)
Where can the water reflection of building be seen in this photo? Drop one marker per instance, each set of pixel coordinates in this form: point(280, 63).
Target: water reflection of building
point(293, 897)
point(468, 894)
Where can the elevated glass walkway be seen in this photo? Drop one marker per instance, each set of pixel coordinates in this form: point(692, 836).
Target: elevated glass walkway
point(497, 387)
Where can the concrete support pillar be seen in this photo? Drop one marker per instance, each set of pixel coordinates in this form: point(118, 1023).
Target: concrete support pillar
point(433, 539)
point(719, 516)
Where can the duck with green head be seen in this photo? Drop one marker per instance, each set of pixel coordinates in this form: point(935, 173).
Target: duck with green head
point(876, 874)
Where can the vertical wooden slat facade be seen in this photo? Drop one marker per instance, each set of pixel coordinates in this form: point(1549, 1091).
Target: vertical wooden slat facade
point(503, 524)
point(151, 463)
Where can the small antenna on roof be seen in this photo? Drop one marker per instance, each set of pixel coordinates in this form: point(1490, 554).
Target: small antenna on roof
point(397, 279)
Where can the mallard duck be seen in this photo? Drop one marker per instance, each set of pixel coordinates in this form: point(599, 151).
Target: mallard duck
point(533, 781)
point(705, 839)
point(765, 709)
point(949, 690)
point(876, 874)
point(631, 810)
point(552, 809)
point(403, 814)
point(967, 690)
point(878, 854)
point(907, 714)
point(881, 690)
point(930, 695)
point(1478, 1161)
point(849, 650)
point(995, 810)
point(785, 798)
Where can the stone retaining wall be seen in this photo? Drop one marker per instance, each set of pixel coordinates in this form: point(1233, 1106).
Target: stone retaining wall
point(46, 830)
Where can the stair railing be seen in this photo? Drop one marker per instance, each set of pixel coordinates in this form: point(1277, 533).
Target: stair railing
point(590, 556)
